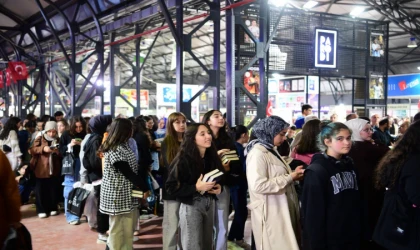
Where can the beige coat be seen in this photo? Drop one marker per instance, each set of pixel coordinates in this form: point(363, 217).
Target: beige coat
point(274, 204)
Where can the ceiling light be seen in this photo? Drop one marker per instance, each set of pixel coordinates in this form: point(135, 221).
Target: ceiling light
point(277, 3)
point(310, 4)
point(412, 43)
point(357, 11)
point(418, 68)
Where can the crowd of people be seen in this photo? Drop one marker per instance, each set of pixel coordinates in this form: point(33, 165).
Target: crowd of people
point(317, 184)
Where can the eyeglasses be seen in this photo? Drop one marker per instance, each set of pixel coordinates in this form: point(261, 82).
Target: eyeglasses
point(368, 130)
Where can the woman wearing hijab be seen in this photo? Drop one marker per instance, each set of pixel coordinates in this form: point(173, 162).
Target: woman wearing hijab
point(271, 188)
point(366, 157)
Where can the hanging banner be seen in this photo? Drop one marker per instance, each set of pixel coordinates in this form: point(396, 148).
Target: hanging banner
point(9, 78)
point(1, 80)
point(18, 70)
point(376, 86)
point(377, 44)
point(404, 86)
point(325, 48)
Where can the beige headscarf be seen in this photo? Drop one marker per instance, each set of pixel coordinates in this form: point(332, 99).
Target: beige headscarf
point(356, 125)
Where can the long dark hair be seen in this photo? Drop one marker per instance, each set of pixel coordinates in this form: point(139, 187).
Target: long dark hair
point(10, 125)
point(238, 131)
point(389, 168)
point(119, 132)
point(171, 138)
point(73, 122)
point(310, 132)
point(189, 150)
point(223, 136)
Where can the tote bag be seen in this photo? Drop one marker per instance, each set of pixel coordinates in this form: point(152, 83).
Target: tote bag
point(68, 164)
point(76, 201)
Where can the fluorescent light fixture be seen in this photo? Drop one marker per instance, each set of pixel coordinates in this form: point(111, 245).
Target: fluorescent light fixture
point(310, 4)
point(277, 3)
point(357, 11)
point(412, 43)
point(418, 68)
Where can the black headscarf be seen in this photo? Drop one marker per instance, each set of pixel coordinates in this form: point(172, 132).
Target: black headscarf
point(99, 123)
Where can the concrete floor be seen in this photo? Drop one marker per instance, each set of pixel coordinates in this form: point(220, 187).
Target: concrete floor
point(54, 233)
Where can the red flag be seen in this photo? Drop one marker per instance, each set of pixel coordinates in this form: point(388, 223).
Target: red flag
point(9, 77)
point(19, 70)
point(1, 80)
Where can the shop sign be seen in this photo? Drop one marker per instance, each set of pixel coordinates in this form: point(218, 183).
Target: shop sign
point(404, 86)
point(399, 106)
point(325, 48)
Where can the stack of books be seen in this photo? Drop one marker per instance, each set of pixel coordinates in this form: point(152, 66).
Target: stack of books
point(212, 176)
point(230, 156)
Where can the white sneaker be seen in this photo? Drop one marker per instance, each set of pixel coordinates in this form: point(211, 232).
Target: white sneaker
point(42, 215)
point(75, 222)
point(102, 239)
point(54, 213)
point(135, 238)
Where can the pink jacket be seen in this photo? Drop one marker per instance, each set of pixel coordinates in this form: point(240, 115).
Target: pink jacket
point(306, 158)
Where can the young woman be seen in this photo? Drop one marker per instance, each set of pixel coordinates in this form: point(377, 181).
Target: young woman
point(9, 142)
point(238, 192)
point(46, 164)
point(366, 157)
point(399, 174)
point(70, 143)
point(161, 130)
point(120, 175)
point(197, 156)
point(176, 125)
point(305, 149)
point(214, 119)
point(154, 145)
point(271, 188)
point(62, 126)
point(331, 199)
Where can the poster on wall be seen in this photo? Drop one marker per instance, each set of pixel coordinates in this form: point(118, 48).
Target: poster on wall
point(376, 86)
point(325, 48)
point(273, 86)
point(313, 91)
point(377, 44)
point(166, 99)
point(252, 81)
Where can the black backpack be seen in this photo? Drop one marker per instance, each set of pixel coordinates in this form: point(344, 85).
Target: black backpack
point(91, 162)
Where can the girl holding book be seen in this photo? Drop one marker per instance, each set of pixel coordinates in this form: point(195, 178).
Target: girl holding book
point(175, 128)
point(224, 144)
point(196, 157)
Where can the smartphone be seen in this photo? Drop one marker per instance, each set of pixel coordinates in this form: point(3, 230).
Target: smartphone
point(78, 139)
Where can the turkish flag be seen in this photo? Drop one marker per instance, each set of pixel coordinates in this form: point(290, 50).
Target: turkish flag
point(19, 70)
point(9, 77)
point(1, 80)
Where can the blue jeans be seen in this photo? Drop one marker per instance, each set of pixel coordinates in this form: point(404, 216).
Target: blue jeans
point(69, 180)
point(24, 191)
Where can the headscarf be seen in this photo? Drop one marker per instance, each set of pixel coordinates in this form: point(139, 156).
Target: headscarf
point(51, 125)
point(356, 125)
point(99, 123)
point(265, 130)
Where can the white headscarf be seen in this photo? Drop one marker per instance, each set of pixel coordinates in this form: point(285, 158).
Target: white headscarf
point(356, 125)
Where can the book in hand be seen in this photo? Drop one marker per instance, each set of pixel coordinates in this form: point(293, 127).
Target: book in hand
point(230, 156)
point(211, 176)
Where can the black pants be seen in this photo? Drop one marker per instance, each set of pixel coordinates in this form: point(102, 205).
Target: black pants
point(103, 219)
point(238, 198)
point(46, 195)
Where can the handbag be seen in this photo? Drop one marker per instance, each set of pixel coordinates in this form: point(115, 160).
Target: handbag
point(18, 239)
point(76, 201)
point(68, 164)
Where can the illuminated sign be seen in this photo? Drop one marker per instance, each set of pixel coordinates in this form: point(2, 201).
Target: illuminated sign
point(325, 48)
